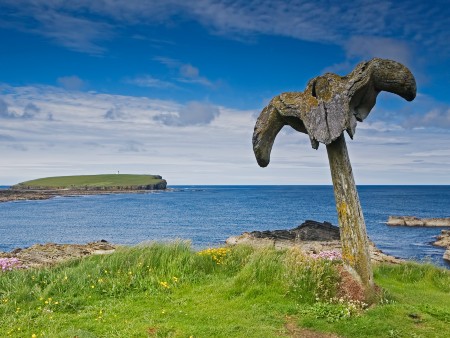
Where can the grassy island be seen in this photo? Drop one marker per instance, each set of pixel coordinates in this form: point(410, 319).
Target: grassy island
point(95, 182)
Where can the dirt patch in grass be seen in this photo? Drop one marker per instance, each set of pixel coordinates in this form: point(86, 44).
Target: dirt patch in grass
point(294, 331)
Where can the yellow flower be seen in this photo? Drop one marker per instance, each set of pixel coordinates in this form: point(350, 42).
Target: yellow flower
point(164, 285)
point(33, 335)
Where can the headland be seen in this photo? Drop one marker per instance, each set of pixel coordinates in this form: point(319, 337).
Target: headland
point(45, 188)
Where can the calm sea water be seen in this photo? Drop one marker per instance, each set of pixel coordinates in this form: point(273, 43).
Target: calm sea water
point(207, 215)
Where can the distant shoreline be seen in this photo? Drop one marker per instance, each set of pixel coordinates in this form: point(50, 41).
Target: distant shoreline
point(9, 195)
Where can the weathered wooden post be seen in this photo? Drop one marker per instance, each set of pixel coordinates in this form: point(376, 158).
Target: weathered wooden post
point(329, 105)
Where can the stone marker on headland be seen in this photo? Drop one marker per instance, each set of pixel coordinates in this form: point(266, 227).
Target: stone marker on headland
point(412, 221)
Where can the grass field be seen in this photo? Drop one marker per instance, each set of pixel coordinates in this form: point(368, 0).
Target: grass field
point(169, 290)
point(90, 181)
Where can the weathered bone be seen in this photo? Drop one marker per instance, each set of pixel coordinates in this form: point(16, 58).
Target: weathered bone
point(331, 104)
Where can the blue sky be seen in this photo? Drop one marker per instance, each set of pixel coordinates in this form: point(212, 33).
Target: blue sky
point(174, 88)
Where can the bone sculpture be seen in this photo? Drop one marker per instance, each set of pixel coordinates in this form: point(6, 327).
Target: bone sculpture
point(329, 105)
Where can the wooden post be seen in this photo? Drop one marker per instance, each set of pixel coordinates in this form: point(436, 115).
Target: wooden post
point(355, 246)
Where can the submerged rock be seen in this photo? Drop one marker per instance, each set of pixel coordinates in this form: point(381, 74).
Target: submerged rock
point(412, 221)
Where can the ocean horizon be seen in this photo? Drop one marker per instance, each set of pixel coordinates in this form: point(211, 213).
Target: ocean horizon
point(207, 215)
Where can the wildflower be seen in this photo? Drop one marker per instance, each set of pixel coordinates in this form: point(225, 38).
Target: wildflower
point(330, 255)
point(8, 264)
point(164, 285)
point(217, 254)
point(33, 335)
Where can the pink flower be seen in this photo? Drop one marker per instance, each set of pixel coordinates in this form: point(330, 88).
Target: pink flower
point(8, 264)
point(330, 255)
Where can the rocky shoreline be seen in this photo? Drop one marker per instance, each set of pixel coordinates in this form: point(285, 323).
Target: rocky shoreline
point(9, 195)
point(311, 237)
point(413, 221)
point(39, 255)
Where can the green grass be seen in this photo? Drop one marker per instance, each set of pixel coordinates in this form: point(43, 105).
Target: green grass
point(168, 290)
point(91, 181)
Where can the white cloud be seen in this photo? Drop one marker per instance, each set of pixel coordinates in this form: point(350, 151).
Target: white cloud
point(30, 111)
point(71, 82)
point(4, 110)
point(187, 73)
point(193, 113)
point(436, 117)
point(114, 113)
point(213, 146)
point(84, 25)
point(150, 81)
point(367, 47)
point(191, 74)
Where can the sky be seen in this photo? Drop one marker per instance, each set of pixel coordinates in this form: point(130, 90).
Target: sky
point(174, 88)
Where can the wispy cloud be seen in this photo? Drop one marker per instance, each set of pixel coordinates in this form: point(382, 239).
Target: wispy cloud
point(437, 118)
point(212, 143)
point(193, 113)
point(186, 72)
point(5, 113)
point(150, 81)
point(63, 25)
point(29, 111)
point(71, 82)
point(83, 25)
point(114, 113)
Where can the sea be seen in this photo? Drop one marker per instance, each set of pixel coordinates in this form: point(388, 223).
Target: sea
point(208, 215)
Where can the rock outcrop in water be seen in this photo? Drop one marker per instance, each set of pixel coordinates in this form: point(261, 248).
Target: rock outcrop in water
point(443, 240)
point(312, 237)
point(412, 221)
